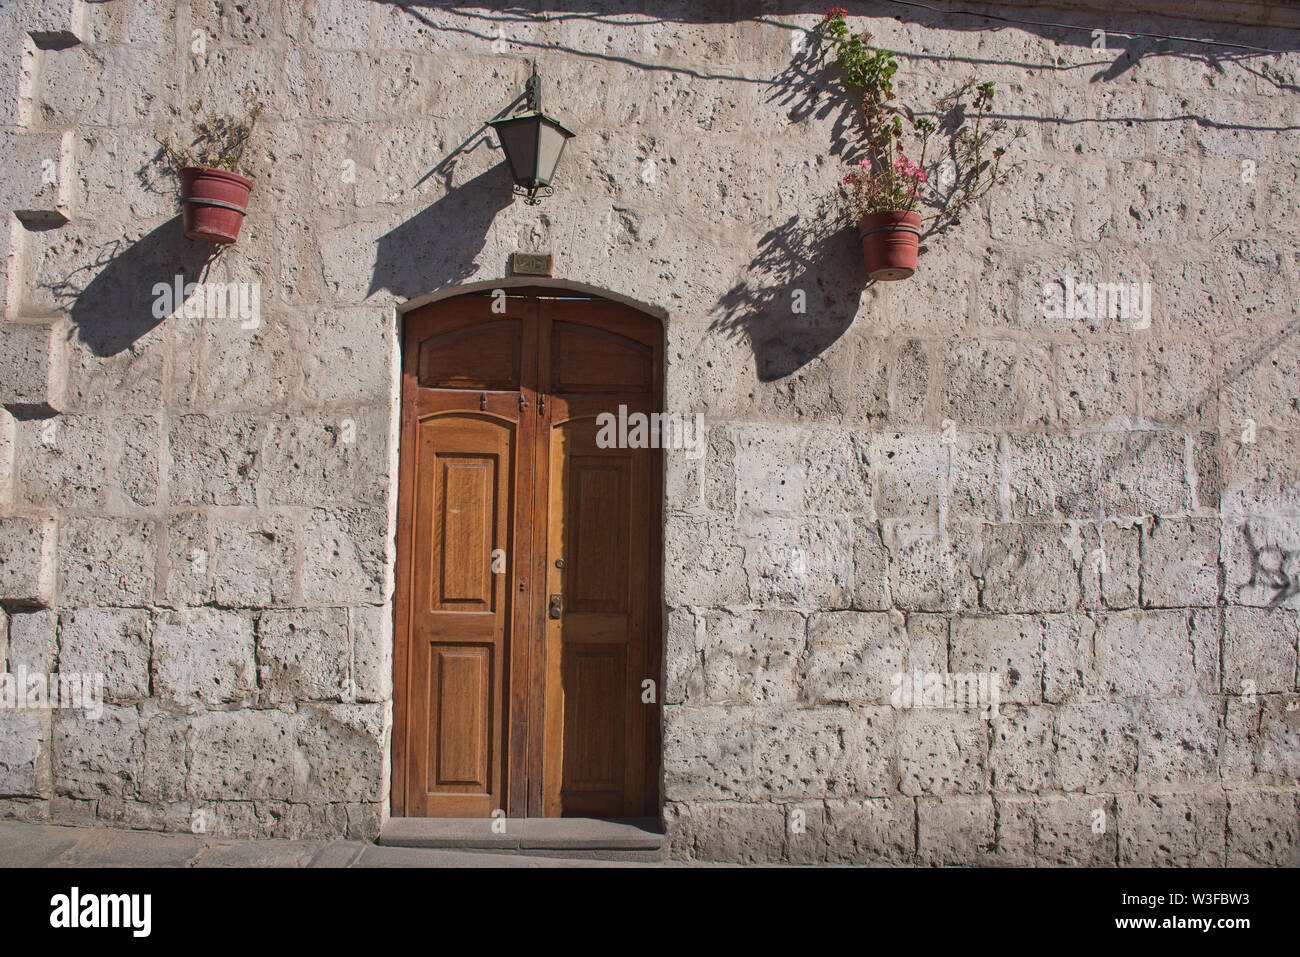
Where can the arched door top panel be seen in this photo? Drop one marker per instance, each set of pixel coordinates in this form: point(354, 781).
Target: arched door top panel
point(477, 355)
point(588, 359)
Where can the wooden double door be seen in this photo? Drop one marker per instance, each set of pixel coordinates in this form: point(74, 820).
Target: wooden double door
point(527, 647)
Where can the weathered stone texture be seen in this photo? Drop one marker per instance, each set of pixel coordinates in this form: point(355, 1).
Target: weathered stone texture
point(205, 656)
point(27, 560)
point(934, 476)
point(115, 643)
point(33, 357)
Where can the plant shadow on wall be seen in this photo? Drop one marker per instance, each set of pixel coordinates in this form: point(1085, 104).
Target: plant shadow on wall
point(804, 89)
point(114, 300)
point(798, 273)
point(110, 300)
point(796, 277)
point(955, 161)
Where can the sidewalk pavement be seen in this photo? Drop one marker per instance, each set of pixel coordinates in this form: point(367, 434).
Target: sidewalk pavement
point(47, 845)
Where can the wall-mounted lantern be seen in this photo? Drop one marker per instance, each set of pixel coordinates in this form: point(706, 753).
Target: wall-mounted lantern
point(532, 142)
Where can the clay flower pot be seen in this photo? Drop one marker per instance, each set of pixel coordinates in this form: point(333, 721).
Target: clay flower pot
point(213, 203)
point(889, 243)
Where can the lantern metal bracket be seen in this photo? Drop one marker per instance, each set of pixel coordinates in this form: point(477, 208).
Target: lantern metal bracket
point(533, 92)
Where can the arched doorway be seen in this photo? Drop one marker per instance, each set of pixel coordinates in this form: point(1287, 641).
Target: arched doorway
point(528, 638)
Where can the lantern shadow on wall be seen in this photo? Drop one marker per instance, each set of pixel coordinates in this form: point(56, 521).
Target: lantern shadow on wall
point(439, 245)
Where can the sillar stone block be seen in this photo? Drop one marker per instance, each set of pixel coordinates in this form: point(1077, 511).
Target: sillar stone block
point(344, 747)
point(1028, 568)
point(22, 740)
point(1183, 829)
point(33, 640)
point(1076, 830)
point(1096, 745)
point(252, 562)
point(1275, 738)
point(1180, 563)
point(1264, 828)
point(955, 830)
point(113, 642)
point(942, 752)
point(1145, 653)
point(740, 833)
point(1144, 473)
point(27, 560)
point(243, 756)
point(874, 830)
point(853, 656)
point(303, 654)
point(106, 561)
point(35, 364)
point(824, 752)
point(1179, 742)
point(1259, 647)
point(345, 555)
point(205, 656)
point(215, 459)
point(752, 658)
point(1022, 750)
point(703, 564)
point(1262, 562)
point(928, 566)
point(66, 461)
point(796, 561)
point(95, 758)
point(1006, 645)
point(708, 753)
point(371, 628)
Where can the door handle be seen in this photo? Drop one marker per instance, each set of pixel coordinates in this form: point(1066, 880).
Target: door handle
point(557, 606)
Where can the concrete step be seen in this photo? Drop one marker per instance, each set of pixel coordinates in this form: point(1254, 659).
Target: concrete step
point(565, 837)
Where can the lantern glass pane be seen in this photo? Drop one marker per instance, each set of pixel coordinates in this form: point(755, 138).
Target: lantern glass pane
point(549, 147)
point(519, 141)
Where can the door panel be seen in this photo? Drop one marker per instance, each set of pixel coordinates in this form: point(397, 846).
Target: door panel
point(459, 624)
point(599, 564)
point(598, 501)
point(463, 521)
point(595, 722)
point(460, 739)
point(499, 704)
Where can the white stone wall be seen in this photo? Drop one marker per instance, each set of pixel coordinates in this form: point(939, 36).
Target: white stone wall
point(930, 474)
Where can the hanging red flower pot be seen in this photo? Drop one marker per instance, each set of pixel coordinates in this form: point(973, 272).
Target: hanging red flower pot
point(213, 203)
point(889, 243)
